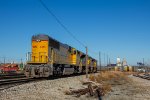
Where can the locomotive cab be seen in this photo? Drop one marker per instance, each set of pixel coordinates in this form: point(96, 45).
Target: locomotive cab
point(37, 60)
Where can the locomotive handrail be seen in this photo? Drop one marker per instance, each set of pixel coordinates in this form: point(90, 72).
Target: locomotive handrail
point(30, 58)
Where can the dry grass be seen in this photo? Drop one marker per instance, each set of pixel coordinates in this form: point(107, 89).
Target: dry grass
point(130, 73)
point(109, 78)
point(101, 82)
point(106, 88)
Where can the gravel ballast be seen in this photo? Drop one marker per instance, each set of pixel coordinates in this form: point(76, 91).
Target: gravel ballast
point(46, 90)
point(55, 90)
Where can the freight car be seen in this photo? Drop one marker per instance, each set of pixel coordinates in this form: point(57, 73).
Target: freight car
point(9, 68)
point(51, 57)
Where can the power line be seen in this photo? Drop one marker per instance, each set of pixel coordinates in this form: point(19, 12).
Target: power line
point(66, 29)
point(61, 24)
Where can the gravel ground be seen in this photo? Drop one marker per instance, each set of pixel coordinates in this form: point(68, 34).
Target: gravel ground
point(46, 90)
point(137, 89)
point(55, 90)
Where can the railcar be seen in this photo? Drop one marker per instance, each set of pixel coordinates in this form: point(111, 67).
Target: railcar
point(51, 57)
point(9, 68)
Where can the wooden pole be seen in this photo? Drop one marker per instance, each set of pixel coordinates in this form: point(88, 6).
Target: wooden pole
point(100, 60)
point(86, 62)
point(4, 60)
point(107, 60)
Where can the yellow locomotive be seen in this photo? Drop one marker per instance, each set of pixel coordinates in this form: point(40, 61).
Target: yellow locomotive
point(51, 57)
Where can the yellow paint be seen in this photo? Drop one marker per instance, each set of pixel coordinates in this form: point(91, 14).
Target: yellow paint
point(131, 69)
point(89, 61)
point(126, 68)
point(73, 57)
point(116, 68)
point(95, 64)
point(39, 51)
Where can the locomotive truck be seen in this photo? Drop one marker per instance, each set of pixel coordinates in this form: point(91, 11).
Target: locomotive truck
point(51, 57)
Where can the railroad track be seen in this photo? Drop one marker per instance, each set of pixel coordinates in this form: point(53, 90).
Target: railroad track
point(11, 82)
point(143, 76)
point(7, 83)
point(11, 76)
point(13, 79)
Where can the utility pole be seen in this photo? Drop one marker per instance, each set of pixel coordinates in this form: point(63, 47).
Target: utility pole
point(4, 60)
point(104, 59)
point(21, 60)
point(86, 62)
point(100, 61)
point(26, 57)
point(144, 66)
point(143, 62)
point(107, 61)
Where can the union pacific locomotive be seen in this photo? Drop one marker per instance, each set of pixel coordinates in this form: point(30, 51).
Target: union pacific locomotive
point(51, 57)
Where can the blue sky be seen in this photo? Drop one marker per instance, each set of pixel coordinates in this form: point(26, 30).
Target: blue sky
point(119, 28)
